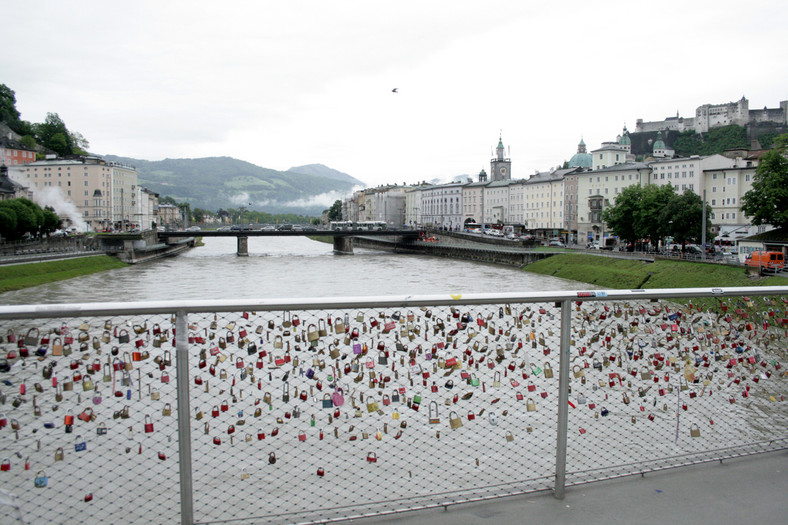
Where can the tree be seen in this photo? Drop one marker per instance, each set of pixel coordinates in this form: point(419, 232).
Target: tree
point(51, 221)
point(621, 216)
point(682, 218)
point(54, 135)
point(200, 214)
point(335, 211)
point(767, 201)
point(647, 222)
point(23, 215)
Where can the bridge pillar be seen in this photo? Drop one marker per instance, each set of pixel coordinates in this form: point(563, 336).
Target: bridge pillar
point(243, 246)
point(343, 245)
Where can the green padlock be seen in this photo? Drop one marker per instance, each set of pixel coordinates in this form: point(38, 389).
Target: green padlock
point(535, 370)
point(417, 399)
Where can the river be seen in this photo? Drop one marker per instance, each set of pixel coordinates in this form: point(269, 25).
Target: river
point(285, 267)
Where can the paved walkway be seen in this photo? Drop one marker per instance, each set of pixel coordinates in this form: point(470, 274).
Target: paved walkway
point(751, 490)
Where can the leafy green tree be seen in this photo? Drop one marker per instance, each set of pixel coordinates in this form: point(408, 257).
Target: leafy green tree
point(654, 200)
point(335, 211)
point(7, 223)
point(54, 135)
point(24, 216)
point(621, 216)
point(682, 218)
point(767, 201)
point(8, 111)
point(200, 214)
point(51, 221)
point(636, 212)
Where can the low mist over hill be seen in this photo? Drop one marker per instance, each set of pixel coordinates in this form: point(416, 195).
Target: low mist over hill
point(224, 182)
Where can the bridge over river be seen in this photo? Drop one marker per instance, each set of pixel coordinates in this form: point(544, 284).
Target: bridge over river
point(343, 239)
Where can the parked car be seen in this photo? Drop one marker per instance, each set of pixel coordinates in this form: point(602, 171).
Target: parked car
point(557, 243)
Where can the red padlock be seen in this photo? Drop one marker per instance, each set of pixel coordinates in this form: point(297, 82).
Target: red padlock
point(69, 419)
point(302, 436)
point(231, 429)
point(260, 435)
point(217, 441)
point(162, 456)
point(148, 424)
point(275, 432)
point(225, 406)
point(321, 472)
point(372, 457)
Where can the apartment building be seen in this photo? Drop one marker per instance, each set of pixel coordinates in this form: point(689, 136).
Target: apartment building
point(15, 153)
point(104, 193)
point(597, 189)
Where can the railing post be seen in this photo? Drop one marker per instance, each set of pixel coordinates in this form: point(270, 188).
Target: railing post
point(563, 400)
point(184, 417)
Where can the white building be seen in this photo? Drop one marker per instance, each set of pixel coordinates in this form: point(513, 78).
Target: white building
point(597, 189)
point(104, 193)
point(441, 206)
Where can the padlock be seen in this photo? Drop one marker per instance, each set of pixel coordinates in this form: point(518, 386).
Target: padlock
point(372, 457)
point(40, 480)
point(530, 405)
point(509, 436)
point(493, 419)
point(455, 421)
point(59, 454)
point(148, 424)
point(433, 413)
point(694, 430)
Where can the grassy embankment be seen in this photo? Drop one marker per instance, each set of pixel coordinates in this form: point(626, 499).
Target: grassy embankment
point(628, 274)
point(19, 276)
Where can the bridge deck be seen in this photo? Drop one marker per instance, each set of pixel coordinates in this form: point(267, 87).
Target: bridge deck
point(287, 233)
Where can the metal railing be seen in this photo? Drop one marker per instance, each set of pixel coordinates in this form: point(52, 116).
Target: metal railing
point(328, 409)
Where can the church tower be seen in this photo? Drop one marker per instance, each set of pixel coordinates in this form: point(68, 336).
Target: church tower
point(500, 166)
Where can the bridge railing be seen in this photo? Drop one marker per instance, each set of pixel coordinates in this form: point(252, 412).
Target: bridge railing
point(325, 409)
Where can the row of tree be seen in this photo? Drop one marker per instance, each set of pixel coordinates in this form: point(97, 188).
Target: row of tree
point(651, 213)
point(52, 134)
point(20, 217)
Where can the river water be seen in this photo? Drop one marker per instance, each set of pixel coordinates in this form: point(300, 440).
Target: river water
point(285, 267)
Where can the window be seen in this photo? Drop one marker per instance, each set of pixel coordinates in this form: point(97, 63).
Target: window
point(713, 202)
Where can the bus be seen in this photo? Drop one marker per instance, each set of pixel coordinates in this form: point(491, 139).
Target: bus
point(371, 225)
point(341, 225)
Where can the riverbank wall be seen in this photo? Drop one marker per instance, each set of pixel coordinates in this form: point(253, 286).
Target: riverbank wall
point(492, 253)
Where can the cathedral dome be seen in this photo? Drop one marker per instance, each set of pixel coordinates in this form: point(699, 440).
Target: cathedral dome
point(581, 159)
point(659, 144)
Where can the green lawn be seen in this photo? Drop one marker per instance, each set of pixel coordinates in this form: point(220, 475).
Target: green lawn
point(627, 274)
point(19, 276)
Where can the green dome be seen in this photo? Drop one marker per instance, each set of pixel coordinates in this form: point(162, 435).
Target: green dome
point(581, 160)
point(625, 140)
point(659, 143)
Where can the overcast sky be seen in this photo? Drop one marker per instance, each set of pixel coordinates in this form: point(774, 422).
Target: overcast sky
point(288, 83)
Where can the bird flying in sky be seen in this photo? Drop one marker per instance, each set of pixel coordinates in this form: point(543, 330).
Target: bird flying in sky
point(395, 90)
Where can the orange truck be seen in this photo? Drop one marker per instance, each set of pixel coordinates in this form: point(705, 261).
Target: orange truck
point(766, 261)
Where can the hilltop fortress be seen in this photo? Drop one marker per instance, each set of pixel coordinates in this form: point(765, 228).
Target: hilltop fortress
point(710, 116)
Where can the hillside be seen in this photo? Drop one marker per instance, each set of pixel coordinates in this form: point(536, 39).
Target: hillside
point(224, 182)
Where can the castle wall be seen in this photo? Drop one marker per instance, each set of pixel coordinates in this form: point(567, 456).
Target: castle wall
point(710, 116)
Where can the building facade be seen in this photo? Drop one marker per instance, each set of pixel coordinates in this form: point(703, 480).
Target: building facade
point(15, 153)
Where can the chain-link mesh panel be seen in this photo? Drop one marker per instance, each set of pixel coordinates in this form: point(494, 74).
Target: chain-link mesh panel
point(83, 439)
point(310, 415)
point(660, 384)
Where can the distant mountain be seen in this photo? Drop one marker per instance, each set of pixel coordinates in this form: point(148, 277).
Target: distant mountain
point(324, 171)
point(224, 182)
